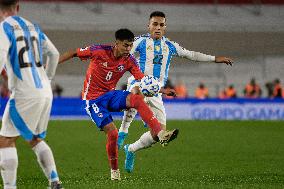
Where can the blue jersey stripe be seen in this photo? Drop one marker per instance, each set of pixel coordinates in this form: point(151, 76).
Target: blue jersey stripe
point(41, 135)
point(18, 122)
point(157, 58)
point(27, 35)
point(142, 60)
point(41, 37)
point(172, 50)
point(13, 50)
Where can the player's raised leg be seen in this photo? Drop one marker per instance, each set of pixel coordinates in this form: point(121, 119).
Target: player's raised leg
point(147, 139)
point(137, 101)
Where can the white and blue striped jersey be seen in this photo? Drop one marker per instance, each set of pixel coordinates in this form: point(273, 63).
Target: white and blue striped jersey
point(23, 47)
point(154, 56)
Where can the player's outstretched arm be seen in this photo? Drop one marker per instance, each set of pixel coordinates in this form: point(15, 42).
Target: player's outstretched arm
point(200, 57)
point(67, 55)
point(225, 60)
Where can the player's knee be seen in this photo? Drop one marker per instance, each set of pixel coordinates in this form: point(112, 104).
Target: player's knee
point(136, 100)
point(6, 142)
point(35, 142)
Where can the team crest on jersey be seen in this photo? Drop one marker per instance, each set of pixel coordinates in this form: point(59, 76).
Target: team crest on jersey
point(120, 68)
point(100, 114)
point(157, 48)
point(84, 49)
point(149, 48)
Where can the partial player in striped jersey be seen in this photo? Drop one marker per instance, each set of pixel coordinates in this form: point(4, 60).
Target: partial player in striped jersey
point(154, 53)
point(22, 48)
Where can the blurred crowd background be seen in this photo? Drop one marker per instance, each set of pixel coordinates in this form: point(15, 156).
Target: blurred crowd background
point(249, 31)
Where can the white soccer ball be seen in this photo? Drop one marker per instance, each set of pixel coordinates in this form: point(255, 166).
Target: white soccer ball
point(149, 85)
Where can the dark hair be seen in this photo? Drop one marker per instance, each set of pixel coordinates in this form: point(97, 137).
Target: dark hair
point(158, 14)
point(124, 34)
point(7, 3)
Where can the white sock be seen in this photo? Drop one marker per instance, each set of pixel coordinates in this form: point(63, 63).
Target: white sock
point(128, 117)
point(145, 141)
point(9, 165)
point(46, 161)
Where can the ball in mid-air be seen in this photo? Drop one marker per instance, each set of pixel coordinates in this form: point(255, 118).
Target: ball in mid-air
point(149, 85)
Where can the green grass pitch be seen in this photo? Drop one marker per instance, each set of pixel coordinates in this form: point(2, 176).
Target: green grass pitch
point(206, 154)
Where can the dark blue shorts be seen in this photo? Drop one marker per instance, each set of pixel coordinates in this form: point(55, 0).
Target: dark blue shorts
point(100, 108)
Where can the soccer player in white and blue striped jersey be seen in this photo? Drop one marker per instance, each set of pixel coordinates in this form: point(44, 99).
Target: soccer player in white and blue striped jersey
point(154, 52)
point(23, 47)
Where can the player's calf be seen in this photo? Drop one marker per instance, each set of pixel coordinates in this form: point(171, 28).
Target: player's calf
point(137, 102)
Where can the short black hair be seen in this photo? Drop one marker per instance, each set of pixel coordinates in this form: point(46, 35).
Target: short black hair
point(158, 14)
point(7, 3)
point(124, 34)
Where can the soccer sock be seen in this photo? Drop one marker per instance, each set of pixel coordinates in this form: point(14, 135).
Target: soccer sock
point(46, 161)
point(9, 165)
point(145, 141)
point(127, 119)
point(111, 148)
point(137, 102)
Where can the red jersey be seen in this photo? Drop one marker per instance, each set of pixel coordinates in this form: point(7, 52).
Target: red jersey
point(105, 70)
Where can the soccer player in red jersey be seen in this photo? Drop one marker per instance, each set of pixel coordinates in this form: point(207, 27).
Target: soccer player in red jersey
point(107, 66)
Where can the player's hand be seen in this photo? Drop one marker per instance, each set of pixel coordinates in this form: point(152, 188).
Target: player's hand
point(168, 92)
point(225, 60)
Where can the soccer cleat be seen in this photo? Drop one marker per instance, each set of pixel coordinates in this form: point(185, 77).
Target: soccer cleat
point(115, 174)
point(121, 137)
point(129, 159)
point(55, 185)
point(165, 137)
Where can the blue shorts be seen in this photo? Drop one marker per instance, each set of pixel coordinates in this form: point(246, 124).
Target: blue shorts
point(100, 108)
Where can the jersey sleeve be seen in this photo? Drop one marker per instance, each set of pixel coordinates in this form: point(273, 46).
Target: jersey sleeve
point(50, 51)
point(134, 68)
point(136, 45)
point(191, 55)
point(84, 53)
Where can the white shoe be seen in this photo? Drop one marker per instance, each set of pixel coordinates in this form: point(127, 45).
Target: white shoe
point(115, 174)
point(167, 136)
point(55, 185)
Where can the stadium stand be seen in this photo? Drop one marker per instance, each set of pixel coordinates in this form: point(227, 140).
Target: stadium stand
point(250, 31)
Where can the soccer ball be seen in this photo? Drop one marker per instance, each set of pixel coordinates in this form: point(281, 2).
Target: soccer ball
point(149, 85)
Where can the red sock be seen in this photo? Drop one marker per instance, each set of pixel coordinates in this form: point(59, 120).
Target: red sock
point(137, 102)
point(111, 148)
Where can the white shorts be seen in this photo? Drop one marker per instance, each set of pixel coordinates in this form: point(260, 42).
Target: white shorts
point(155, 103)
point(26, 117)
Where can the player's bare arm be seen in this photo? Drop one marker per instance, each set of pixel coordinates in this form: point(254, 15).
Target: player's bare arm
point(4, 75)
point(67, 56)
point(168, 91)
point(225, 60)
